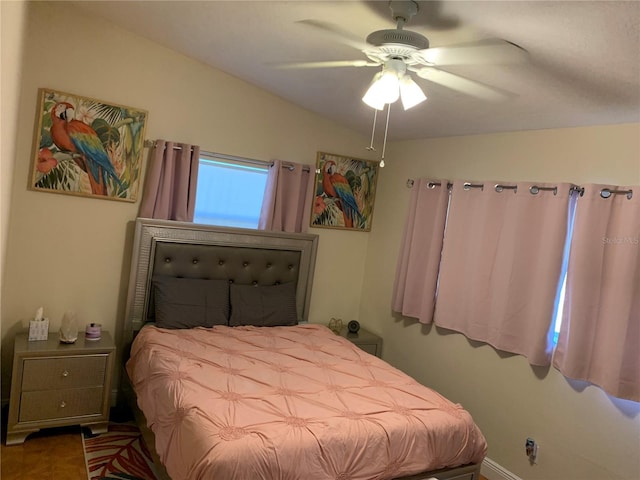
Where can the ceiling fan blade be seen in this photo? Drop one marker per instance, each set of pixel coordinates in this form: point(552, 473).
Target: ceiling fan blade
point(338, 33)
point(461, 84)
point(326, 64)
point(494, 52)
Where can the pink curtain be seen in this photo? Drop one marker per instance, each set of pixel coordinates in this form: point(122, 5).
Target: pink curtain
point(287, 198)
point(501, 265)
point(172, 179)
point(417, 271)
point(600, 334)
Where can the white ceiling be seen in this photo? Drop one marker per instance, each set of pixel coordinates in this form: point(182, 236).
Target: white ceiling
point(584, 66)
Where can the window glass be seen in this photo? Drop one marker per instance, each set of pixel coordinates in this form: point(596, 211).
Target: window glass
point(229, 194)
point(557, 321)
point(559, 306)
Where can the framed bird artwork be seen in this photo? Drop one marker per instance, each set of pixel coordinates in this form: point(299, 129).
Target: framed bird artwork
point(87, 147)
point(345, 190)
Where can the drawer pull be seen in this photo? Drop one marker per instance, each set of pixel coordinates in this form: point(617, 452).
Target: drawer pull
point(65, 373)
point(63, 404)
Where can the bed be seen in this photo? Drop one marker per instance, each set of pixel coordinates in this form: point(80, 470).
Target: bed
point(246, 388)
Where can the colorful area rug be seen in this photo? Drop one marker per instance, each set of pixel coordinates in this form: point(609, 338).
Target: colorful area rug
point(119, 454)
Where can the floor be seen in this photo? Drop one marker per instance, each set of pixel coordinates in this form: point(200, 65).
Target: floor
point(52, 454)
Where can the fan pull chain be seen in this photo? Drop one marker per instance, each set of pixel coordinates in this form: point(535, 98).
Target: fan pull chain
point(371, 148)
point(384, 142)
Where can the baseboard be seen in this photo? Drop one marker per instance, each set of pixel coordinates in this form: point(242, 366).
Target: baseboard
point(495, 471)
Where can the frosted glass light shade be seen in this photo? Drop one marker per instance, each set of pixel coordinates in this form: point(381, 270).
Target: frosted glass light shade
point(385, 88)
point(410, 93)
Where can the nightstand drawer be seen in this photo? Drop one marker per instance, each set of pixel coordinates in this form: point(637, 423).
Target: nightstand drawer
point(50, 405)
point(63, 372)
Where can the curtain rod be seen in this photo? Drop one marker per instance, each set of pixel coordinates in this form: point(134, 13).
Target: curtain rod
point(534, 189)
point(233, 158)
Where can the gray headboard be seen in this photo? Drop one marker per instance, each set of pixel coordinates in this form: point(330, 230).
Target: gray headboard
point(241, 256)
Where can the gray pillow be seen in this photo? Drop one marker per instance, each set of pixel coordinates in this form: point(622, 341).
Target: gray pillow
point(263, 306)
point(190, 302)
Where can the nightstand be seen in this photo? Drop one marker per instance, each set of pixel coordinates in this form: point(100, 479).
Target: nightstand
point(365, 340)
point(56, 384)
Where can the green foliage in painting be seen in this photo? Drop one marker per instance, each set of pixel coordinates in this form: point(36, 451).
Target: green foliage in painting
point(106, 132)
point(65, 175)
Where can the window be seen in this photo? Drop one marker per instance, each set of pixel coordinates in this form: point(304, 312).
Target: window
point(559, 306)
point(229, 193)
point(557, 321)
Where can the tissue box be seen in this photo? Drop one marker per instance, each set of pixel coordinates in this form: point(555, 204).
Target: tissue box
point(39, 329)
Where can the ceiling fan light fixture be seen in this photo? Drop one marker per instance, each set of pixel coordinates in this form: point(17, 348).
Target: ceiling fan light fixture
point(371, 97)
point(410, 93)
point(384, 88)
point(389, 85)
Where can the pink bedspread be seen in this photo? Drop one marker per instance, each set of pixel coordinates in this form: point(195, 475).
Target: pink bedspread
point(290, 403)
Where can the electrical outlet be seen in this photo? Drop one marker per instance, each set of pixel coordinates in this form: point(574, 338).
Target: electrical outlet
point(531, 449)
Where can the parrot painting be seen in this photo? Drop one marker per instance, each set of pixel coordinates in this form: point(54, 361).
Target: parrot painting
point(78, 138)
point(336, 185)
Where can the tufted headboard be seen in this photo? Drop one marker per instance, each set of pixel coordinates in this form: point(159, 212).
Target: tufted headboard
point(241, 256)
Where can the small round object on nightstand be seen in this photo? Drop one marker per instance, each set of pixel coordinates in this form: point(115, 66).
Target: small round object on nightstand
point(93, 331)
point(353, 326)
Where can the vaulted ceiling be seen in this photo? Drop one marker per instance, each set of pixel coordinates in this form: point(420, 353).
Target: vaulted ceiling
point(582, 67)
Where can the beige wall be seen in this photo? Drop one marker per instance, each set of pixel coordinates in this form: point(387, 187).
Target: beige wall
point(12, 31)
point(67, 252)
point(583, 433)
point(13, 17)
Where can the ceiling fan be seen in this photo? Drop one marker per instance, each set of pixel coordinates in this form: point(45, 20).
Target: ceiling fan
point(400, 51)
